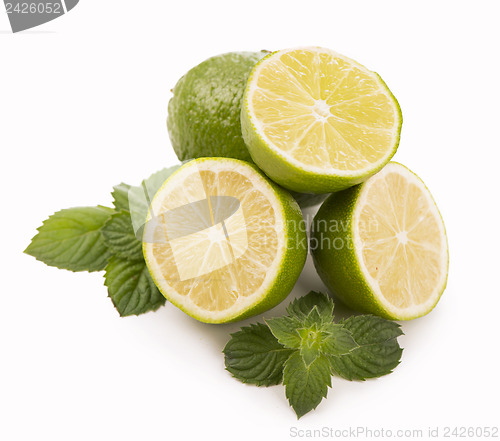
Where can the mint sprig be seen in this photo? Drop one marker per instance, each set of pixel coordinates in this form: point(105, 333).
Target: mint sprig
point(101, 238)
point(311, 349)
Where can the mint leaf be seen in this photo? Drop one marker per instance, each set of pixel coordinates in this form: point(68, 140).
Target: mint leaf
point(378, 351)
point(301, 307)
point(285, 330)
point(131, 287)
point(137, 199)
point(71, 239)
point(337, 340)
point(120, 196)
point(306, 386)
point(120, 238)
point(253, 355)
point(310, 342)
point(139, 203)
point(315, 319)
point(370, 329)
point(309, 353)
point(156, 180)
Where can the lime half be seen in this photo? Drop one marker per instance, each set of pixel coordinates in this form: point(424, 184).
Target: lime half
point(381, 246)
point(222, 242)
point(318, 122)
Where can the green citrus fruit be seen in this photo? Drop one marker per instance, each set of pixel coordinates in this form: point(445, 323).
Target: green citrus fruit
point(223, 242)
point(204, 113)
point(381, 246)
point(318, 122)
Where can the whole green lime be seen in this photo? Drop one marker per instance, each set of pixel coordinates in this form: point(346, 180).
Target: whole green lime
point(204, 113)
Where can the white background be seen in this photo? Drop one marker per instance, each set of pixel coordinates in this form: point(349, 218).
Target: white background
point(83, 105)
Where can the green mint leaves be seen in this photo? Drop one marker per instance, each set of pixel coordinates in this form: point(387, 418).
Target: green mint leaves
point(137, 199)
point(101, 238)
point(301, 307)
point(71, 239)
point(120, 238)
point(304, 349)
point(337, 340)
point(286, 331)
point(306, 385)
point(254, 356)
point(120, 196)
point(131, 288)
point(378, 351)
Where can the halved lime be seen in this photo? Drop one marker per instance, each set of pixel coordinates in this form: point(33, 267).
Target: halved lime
point(222, 242)
point(381, 246)
point(316, 121)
